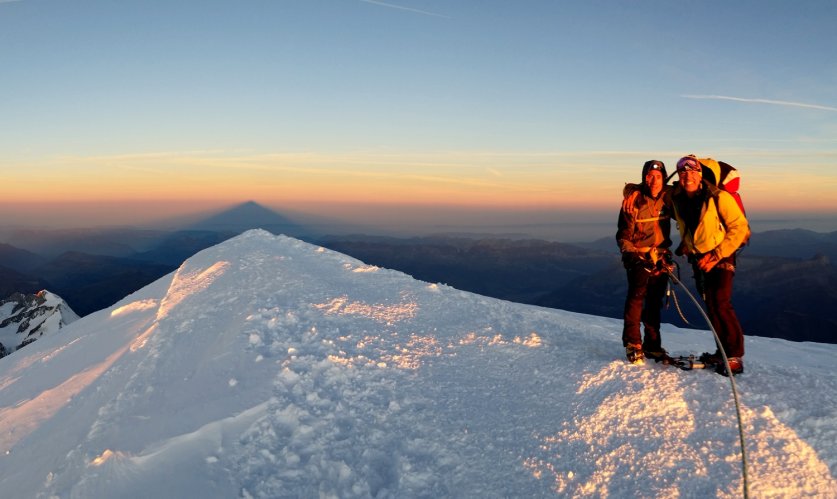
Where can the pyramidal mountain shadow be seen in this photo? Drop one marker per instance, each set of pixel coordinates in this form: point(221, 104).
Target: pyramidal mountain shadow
point(246, 216)
point(189, 238)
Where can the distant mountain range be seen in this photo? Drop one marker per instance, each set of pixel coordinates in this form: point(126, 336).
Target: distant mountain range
point(784, 288)
point(793, 243)
point(14, 265)
point(773, 297)
point(516, 270)
point(19, 259)
point(92, 282)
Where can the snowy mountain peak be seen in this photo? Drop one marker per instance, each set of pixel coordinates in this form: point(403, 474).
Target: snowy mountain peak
point(268, 367)
point(25, 318)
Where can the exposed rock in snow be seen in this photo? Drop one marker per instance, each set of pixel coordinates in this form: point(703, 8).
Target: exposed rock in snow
point(25, 318)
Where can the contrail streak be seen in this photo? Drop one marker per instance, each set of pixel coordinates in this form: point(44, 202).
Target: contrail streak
point(763, 101)
point(408, 9)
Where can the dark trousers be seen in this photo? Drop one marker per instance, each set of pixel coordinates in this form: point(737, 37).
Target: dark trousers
point(717, 294)
point(643, 304)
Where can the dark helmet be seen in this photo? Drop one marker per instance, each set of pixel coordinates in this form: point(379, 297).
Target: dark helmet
point(653, 164)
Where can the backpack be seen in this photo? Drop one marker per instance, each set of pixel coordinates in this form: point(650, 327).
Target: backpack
point(725, 176)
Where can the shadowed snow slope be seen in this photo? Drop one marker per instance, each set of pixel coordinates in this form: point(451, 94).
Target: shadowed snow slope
point(267, 367)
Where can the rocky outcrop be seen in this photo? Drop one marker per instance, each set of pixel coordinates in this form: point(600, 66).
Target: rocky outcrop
point(26, 317)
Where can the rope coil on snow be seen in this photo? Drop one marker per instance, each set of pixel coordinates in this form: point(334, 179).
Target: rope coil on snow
point(731, 382)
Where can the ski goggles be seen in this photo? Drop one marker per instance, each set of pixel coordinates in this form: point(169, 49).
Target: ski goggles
point(688, 164)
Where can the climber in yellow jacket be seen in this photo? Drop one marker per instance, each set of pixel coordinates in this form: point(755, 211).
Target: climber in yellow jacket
point(712, 227)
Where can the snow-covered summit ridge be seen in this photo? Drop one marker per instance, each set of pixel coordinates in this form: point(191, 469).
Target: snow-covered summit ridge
point(25, 318)
point(268, 367)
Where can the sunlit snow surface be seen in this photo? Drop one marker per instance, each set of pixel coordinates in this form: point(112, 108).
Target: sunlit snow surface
point(267, 367)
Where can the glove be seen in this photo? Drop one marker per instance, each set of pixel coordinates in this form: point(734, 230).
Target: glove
point(707, 262)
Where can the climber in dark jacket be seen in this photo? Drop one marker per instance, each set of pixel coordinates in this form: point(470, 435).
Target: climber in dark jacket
point(644, 240)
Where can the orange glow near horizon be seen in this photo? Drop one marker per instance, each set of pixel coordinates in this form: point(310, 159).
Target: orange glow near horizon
point(128, 179)
point(147, 186)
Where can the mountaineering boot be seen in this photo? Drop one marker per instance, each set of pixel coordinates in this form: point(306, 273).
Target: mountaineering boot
point(658, 354)
point(736, 365)
point(634, 354)
point(712, 359)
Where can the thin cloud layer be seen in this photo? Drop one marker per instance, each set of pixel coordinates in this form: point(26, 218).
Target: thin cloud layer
point(763, 101)
point(408, 9)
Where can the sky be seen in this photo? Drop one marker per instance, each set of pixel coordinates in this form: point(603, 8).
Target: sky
point(265, 367)
point(458, 112)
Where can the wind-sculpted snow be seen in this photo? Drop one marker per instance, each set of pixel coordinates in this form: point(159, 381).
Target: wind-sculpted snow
point(267, 367)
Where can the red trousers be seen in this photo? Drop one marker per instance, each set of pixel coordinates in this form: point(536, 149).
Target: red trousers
point(642, 305)
point(716, 288)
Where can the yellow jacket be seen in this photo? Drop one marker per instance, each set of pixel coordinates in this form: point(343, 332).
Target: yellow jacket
point(722, 227)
